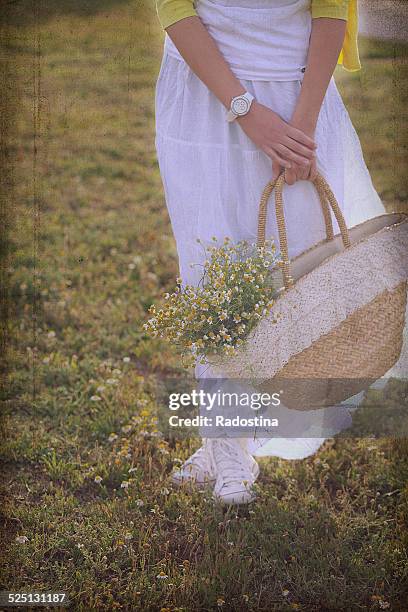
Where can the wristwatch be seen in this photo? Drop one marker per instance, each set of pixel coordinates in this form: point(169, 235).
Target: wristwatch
point(240, 106)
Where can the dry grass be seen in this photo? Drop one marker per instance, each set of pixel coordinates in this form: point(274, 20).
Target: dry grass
point(89, 249)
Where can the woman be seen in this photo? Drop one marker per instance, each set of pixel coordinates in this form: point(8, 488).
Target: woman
point(245, 91)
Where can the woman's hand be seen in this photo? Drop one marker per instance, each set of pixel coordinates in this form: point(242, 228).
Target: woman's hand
point(282, 142)
point(298, 172)
point(288, 146)
point(326, 41)
point(285, 144)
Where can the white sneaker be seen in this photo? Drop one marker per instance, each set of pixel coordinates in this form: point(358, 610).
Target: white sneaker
point(236, 472)
point(197, 470)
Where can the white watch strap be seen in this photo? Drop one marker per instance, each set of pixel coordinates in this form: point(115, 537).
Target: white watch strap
point(231, 116)
point(230, 113)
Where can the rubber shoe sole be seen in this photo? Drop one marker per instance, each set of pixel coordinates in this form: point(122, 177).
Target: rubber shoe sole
point(237, 498)
point(179, 481)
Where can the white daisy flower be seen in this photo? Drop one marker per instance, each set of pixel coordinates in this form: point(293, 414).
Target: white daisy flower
point(21, 539)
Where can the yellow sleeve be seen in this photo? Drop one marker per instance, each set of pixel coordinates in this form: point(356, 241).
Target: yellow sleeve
point(337, 9)
point(347, 10)
point(170, 11)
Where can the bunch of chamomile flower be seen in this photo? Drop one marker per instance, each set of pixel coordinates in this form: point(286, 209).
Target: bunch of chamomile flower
point(216, 316)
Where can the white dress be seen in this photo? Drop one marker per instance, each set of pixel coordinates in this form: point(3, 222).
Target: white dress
point(213, 174)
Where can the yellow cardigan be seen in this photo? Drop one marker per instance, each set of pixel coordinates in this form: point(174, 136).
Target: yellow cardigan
point(170, 11)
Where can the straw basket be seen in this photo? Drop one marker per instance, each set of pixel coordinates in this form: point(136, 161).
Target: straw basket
point(337, 323)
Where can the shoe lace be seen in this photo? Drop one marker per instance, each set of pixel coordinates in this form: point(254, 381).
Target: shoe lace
point(229, 461)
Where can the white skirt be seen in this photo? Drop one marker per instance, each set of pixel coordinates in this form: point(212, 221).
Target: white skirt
point(213, 174)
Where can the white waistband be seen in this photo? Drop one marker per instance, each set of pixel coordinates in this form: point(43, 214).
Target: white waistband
point(261, 44)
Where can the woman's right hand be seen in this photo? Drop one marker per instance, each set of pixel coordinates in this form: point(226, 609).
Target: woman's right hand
point(282, 142)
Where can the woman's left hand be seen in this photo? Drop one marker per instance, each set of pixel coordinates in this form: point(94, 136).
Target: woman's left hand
point(301, 173)
point(296, 173)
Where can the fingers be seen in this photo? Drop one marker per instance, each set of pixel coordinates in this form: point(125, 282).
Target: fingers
point(293, 171)
point(297, 173)
point(275, 157)
point(290, 176)
point(308, 174)
point(295, 146)
point(291, 155)
point(303, 173)
point(301, 137)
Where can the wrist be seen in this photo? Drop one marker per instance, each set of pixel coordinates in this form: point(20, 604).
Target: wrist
point(240, 106)
point(252, 111)
point(307, 125)
point(233, 93)
point(305, 120)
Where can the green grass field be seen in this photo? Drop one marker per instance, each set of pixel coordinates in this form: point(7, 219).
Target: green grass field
point(87, 505)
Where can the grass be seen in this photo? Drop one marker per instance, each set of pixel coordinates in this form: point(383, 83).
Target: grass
point(89, 248)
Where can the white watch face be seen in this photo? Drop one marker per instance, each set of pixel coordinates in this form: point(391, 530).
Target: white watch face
point(240, 106)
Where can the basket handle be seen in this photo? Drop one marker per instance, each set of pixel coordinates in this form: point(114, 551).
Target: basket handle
point(327, 199)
